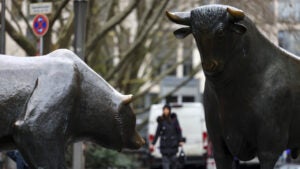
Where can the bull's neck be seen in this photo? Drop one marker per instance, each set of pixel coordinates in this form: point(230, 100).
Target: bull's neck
point(262, 52)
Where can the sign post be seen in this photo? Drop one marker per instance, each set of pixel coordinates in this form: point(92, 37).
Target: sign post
point(40, 27)
point(2, 37)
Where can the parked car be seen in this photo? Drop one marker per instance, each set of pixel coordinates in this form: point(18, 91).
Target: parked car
point(192, 121)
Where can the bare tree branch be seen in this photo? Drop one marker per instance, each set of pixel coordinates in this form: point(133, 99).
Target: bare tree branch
point(57, 13)
point(110, 9)
point(157, 80)
point(110, 24)
point(24, 18)
point(65, 37)
point(125, 56)
point(146, 16)
point(190, 77)
point(14, 19)
point(20, 39)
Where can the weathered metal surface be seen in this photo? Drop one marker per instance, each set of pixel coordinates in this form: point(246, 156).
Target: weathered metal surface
point(47, 102)
point(252, 88)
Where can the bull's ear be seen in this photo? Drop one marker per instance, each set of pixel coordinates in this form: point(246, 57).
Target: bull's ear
point(239, 28)
point(182, 32)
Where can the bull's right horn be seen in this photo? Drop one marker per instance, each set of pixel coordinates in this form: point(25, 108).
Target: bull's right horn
point(182, 18)
point(237, 14)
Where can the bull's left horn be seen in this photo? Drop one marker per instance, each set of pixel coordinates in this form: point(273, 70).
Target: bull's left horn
point(182, 18)
point(126, 99)
point(237, 14)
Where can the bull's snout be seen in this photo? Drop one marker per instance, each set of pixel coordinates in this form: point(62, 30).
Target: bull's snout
point(136, 142)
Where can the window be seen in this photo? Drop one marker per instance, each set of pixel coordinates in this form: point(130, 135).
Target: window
point(171, 99)
point(187, 69)
point(172, 73)
point(188, 99)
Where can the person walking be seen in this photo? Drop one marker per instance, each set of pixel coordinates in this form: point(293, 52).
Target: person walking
point(17, 157)
point(169, 131)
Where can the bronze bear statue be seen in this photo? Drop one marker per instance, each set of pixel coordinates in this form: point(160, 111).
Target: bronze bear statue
point(50, 101)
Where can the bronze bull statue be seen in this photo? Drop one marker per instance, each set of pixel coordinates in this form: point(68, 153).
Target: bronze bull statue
point(252, 88)
point(47, 102)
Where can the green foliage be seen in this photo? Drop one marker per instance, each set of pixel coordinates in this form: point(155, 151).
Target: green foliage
point(101, 158)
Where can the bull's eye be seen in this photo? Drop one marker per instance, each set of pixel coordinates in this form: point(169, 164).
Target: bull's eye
point(220, 32)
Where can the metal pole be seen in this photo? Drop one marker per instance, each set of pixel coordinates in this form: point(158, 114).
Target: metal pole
point(80, 8)
point(78, 157)
point(1, 160)
point(2, 42)
point(41, 45)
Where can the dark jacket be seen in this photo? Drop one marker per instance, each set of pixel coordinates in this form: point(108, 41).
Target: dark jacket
point(169, 132)
point(17, 157)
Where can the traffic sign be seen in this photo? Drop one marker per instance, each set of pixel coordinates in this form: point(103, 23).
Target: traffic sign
point(40, 8)
point(40, 25)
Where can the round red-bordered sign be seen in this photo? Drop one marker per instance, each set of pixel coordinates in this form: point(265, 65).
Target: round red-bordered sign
point(40, 25)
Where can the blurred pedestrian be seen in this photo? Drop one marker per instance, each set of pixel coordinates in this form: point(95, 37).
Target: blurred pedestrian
point(1, 160)
point(169, 131)
point(17, 157)
point(236, 163)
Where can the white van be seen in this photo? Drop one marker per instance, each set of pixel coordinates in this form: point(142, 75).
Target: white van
point(192, 122)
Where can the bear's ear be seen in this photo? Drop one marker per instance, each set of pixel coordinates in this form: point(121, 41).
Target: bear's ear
point(239, 28)
point(182, 32)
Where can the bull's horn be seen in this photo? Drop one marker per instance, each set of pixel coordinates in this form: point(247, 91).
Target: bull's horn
point(126, 99)
point(237, 14)
point(182, 18)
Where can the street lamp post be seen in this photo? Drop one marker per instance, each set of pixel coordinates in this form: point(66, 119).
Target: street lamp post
point(2, 51)
point(2, 39)
point(80, 9)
